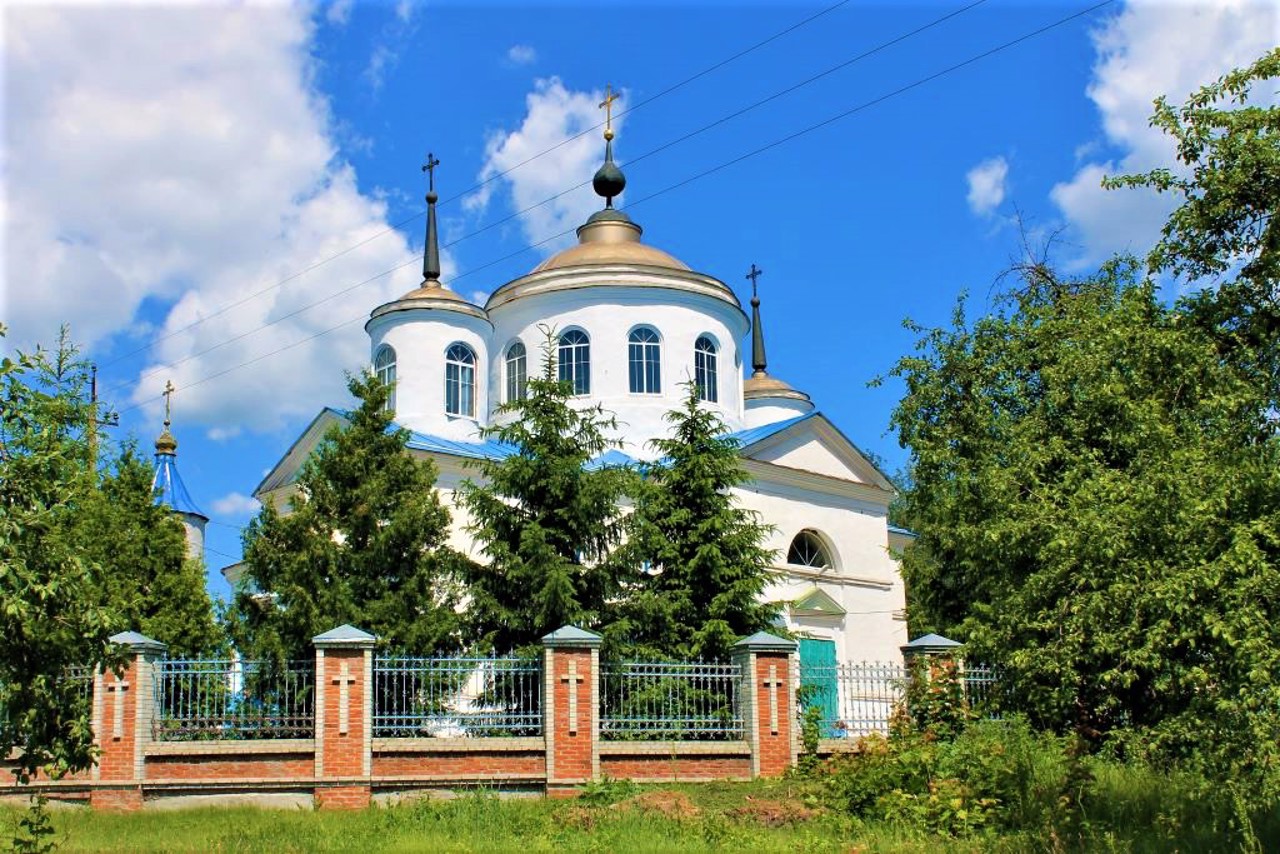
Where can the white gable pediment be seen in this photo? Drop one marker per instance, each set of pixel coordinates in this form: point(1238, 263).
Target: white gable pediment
point(814, 445)
point(285, 471)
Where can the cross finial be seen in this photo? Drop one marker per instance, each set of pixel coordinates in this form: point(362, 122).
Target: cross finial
point(607, 105)
point(430, 168)
point(168, 397)
point(753, 275)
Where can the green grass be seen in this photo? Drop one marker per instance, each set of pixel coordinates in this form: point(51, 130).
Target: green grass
point(1141, 815)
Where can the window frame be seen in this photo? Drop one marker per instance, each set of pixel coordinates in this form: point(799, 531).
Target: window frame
point(644, 360)
point(823, 548)
point(460, 373)
point(516, 385)
point(706, 366)
point(576, 369)
point(386, 372)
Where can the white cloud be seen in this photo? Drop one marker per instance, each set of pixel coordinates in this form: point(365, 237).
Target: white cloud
point(987, 184)
point(522, 54)
point(404, 10)
point(339, 12)
point(383, 59)
point(187, 163)
point(1150, 49)
point(554, 114)
point(235, 504)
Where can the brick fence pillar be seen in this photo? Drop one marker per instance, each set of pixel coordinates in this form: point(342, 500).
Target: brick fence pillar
point(769, 702)
point(344, 718)
point(123, 715)
point(571, 708)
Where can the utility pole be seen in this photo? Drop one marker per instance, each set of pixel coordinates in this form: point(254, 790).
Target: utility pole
point(111, 420)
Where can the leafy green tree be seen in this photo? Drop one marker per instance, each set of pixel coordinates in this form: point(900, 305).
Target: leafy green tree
point(1097, 516)
point(364, 543)
point(1224, 232)
point(546, 521)
point(51, 618)
point(146, 578)
point(707, 552)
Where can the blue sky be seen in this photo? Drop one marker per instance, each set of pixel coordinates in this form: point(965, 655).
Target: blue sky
point(202, 195)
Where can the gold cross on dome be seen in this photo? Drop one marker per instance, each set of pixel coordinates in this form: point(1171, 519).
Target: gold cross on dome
point(607, 105)
point(168, 397)
point(430, 168)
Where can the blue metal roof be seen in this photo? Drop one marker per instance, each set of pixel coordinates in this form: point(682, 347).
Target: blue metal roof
point(486, 450)
point(491, 450)
point(169, 488)
point(758, 434)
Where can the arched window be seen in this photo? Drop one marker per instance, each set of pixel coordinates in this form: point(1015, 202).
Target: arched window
point(704, 368)
point(384, 365)
point(460, 380)
point(575, 360)
point(517, 372)
point(644, 351)
point(808, 549)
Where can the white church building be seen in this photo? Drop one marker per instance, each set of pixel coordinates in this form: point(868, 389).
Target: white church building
point(633, 324)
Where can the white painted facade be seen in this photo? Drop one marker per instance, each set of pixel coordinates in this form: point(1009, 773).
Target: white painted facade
point(805, 475)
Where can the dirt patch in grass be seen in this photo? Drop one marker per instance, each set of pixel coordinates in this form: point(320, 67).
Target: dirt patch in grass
point(663, 802)
point(771, 813)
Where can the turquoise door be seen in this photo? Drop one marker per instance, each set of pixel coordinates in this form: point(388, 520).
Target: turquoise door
point(818, 680)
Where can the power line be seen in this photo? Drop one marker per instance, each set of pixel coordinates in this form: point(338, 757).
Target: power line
point(753, 153)
point(630, 163)
point(480, 185)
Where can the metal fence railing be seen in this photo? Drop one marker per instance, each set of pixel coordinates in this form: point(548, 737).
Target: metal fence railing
point(205, 699)
point(981, 690)
point(670, 701)
point(860, 698)
point(456, 697)
point(79, 678)
point(854, 699)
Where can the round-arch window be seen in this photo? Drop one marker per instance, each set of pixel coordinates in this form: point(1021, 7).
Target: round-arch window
point(460, 380)
point(704, 368)
point(575, 360)
point(517, 372)
point(645, 360)
point(807, 549)
point(384, 366)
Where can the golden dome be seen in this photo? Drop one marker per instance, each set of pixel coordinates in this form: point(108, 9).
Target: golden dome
point(609, 237)
point(432, 290)
point(761, 385)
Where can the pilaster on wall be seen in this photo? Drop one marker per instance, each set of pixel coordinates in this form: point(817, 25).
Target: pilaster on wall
point(124, 711)
point(344, 718)
point(571, 708)
point(769, 703)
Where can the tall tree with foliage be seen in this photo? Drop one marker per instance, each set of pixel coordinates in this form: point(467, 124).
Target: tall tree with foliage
point(1097, 516)
point(546, 521)
point(51, 618)
point(706, 553)
point(1224, 233)
point(364, 543)
point(146, 578)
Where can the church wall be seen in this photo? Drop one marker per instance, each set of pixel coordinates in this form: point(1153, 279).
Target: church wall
point(865, 580)
point(607, 315)
point(768, 411)
point(193, 527)
point(420, 339)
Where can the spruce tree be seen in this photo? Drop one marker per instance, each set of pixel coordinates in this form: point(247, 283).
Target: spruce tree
point(546, 522)
point(364, 543)
point(146, 578)
point(51, 618)
point(706, 554)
